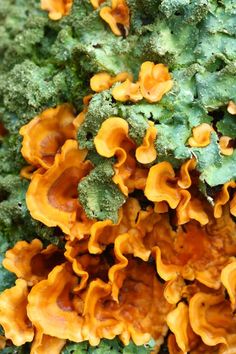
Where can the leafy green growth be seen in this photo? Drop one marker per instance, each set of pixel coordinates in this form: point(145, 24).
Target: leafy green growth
point(15, 221)
point(100, 197)
point(107, 347)
point(227, 126)
point(217, 174)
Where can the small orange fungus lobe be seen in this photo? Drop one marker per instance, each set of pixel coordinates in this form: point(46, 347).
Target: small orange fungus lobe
point(184, 180)
point(201, 135)
point(211, 318)
point(46, 344)
point(50, 305)
point(146, 153)
point(30, 262)
point(52, 197)
point(103, 81)
point(116, 16)
point(155, 81)
point(190, 208)
point(57, 8)
point(225, 147)
point(127, 91)
point(231, 107)
point(13, 316)
point(178, 323)
point(228, 279)
point(222, 198)
point(96, 3)
point(233, 205)
point(112, 134)
point(161, 185)
point(44, 135)
point(27, 172)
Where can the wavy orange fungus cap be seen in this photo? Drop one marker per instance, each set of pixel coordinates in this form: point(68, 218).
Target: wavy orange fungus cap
point(29, 261)
point(146, 153)
point(162, 185)
point(127, 91)
point(44, 135)
point(52, 197)
point(155, 81)
point(113, 139)
point(190, 208)
point(27, 172)
point(211, 318)
point(117, 15)
point(225, 147)
point(104, 81)
point(228, 279)
point(201, 135)
point(50, 305)
point(46, 344)
point(185, 180)
point(222, 198)
point(57, 8)
point(178, 323)
point(13, 316)
point(194, 252)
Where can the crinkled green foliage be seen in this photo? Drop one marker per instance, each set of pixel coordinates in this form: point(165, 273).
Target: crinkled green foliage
point(222, 172)
point(15, 221)
point(227, 125)
point(108, 347)
point(99, 195)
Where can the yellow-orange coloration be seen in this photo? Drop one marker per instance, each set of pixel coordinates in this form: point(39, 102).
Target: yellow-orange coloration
point(52, 196)
point(194, 252)
point(222, 198)
point(117, 15)
point(30, 262)
point(228, 279)
point(154, 80)
point(104, 81)
point(162, 185)
point(128, 243)
point(190, 208)
point(231, 107)
point(184, 180)
point(146, 153)
point(13, 317)
point(232, 205)
point(201, 135)
point(211, 318)
point(57, 8)
point(178, 323)
point(46, 344)
point(127, 91)
point(44, 135)
point(27, 172)
point(50, 307)
point(111, 140)
point(225, 148)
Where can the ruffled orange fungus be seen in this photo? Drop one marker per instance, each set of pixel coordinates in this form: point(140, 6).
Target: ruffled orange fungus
point(104, 81)
point(117, 17)
point(201, 135)
point(168, 263)
point(44, 135)
point(113, 140)
point(155, 81)
point(52, 195)
point(57, 8)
